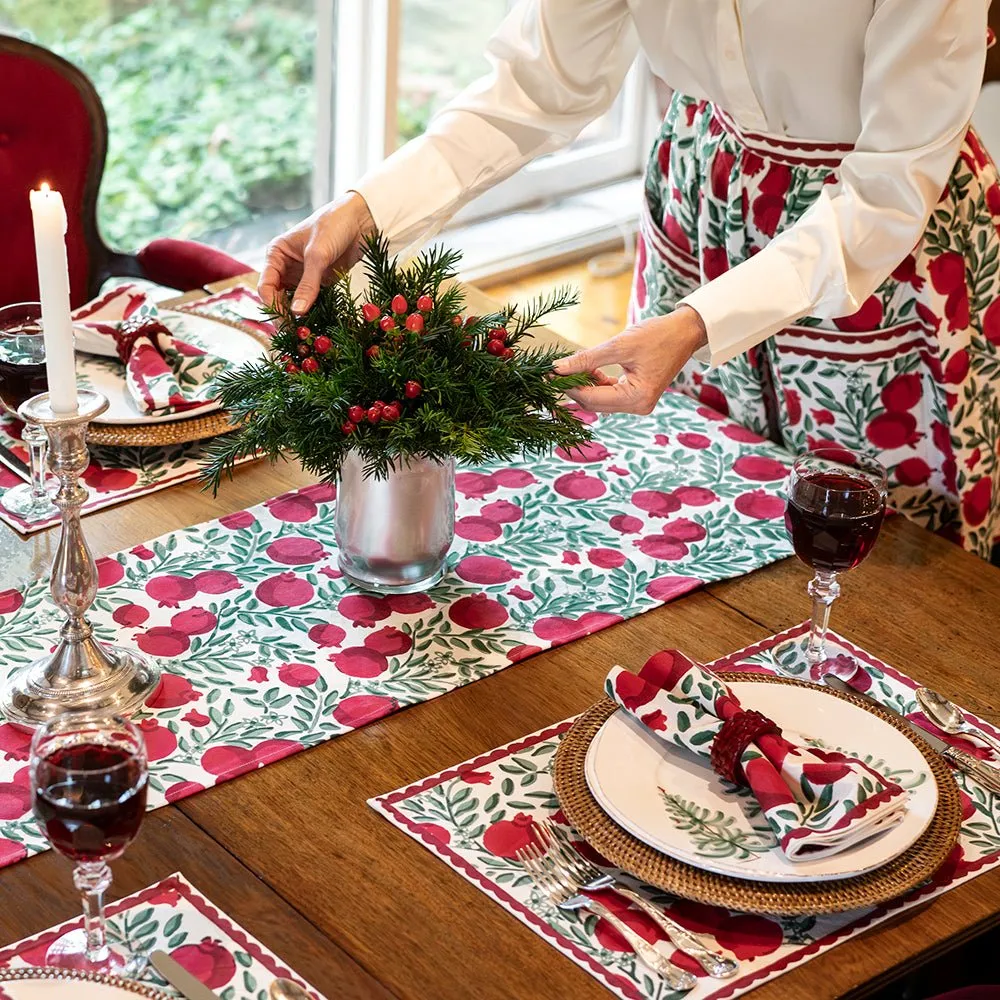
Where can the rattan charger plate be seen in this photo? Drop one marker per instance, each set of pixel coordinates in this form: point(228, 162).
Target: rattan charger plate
point(630, 854)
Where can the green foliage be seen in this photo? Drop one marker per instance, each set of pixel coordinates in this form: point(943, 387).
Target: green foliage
point(472, 405)
point(210, 106)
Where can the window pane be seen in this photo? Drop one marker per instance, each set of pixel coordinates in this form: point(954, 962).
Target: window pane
point(210, 105)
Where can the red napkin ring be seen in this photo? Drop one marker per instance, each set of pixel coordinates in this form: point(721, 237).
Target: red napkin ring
point(131, 330)
point(736, 734)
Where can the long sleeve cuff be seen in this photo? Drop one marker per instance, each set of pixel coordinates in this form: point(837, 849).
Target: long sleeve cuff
point(748, 304)
point(411, 193)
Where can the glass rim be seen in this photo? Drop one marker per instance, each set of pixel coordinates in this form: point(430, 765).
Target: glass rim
point(11, 308)
point(76, 725)
point(864, 464)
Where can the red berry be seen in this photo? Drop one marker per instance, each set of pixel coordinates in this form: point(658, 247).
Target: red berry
point(348, 427)
point(471, 320)
point(379, 404)
point(412, 389)
point(356, 414)
point(322, 344)
point(310, 365)
point(507, 354)
point(387, 323)
point(292, 368)
point(496, 348)
point(391, 413)
point(370, 312)
point(456, 320)
point(305, 349)
point(415, 323)
point(498, 333)
point(399, 304)
point(374, 414)
point(467, 342)
point(425, 303)
point(304, 332)
point(373, 352)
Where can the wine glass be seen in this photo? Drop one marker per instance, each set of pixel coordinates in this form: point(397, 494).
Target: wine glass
point(836, 503)
point(88, 785)
point(22, 375)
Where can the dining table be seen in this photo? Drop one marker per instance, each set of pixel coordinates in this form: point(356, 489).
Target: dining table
point(294, 853)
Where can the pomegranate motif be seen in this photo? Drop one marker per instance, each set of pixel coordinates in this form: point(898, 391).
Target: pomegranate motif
point(606, 558)
point(172, 692)
point(143, 552)
point(297, 674)
point(162, 641)
point(195, 718)
point(160, 741)
point(286, 590)
point(478, 529)
point(360, 709)
point(10, 852)
point(559, 630)
point(14, 743)
point(10, 601)
point(759, 467)
point(666, 588)
point(431, 833)
point(486, 569)
point(182, 789)
point(410, 604)
point(130, 615)
point(296, 551)
point(580, 486)
point(589, 451)
point(326, 636)
point(293, 508)
point(626, 524)
point(169, 591)
point(216, 581)
point(208, 961)
point(15, 796)
point(760, 505)
point(519, 653)
point(655, 502)
point(195, 621)
point(363, 610)
point(695, 496)
point(109, 571)
point(513, 479)
point(696, 441)
point(236, 522)
point(477, 611)
point(508, 836)
point(502, 511)
point(358, 661)
point(475, 485)
point(389, 641)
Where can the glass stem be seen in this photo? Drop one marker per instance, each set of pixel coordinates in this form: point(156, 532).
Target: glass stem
point(92, 880)
point(38, 448)
point(824, 590)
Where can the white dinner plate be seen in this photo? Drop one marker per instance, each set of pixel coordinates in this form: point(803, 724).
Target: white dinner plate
point(674, 801)
point(56, 984)
point(107, 375)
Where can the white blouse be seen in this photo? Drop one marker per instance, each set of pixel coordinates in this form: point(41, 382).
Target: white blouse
point(896, 78)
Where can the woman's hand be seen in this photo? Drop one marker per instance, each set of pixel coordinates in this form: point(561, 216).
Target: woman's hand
point(316, 251)
point(651, 353)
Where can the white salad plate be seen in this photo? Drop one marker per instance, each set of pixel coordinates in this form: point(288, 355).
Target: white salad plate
point(673, 801)
point(59, 984)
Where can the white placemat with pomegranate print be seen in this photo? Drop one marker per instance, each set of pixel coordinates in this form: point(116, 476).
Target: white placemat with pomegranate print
point(475, 817)
point(173, 916)
point(266, 649)
point(119, 474)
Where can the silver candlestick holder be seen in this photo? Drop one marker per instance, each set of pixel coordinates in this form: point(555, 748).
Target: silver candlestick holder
point(81, 674)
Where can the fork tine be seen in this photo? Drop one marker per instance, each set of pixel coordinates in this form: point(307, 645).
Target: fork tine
point(580, 868)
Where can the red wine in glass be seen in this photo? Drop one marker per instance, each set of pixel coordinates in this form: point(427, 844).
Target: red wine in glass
point(838, 531)
point(836, 504)
point(94, 801)
point(88, 784)
point(20, 380)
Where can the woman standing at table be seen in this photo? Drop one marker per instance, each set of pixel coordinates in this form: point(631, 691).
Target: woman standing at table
point(819, 226)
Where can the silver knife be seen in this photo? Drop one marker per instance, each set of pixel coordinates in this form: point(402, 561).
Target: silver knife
point(15, 463)
point(961, 760)
point(179, 977)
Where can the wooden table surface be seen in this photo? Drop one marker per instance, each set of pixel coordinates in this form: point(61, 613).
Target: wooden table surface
point(293, 853)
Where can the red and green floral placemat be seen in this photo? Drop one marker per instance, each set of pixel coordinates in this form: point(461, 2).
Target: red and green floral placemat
point(475, 817)
point(267, 650)
point(119, 474)
point(173, 916)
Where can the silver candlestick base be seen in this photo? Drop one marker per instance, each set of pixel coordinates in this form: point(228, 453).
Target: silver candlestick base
point(81, 674)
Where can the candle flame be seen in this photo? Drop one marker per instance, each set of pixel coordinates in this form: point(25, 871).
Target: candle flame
point(44, 187)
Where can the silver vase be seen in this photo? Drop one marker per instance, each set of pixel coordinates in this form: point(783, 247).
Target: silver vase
point(394, 534)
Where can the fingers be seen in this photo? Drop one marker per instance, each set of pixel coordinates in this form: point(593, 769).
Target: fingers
point(589, 360)
point(314, 264)
point(617, 397)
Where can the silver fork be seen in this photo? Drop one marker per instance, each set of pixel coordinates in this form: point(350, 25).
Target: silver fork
point(589, 876)
point(563, 893)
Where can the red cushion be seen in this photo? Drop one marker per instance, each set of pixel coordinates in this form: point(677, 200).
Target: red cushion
point(184, 264)
point(45, 135)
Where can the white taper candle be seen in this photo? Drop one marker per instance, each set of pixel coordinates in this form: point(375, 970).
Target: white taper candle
point(49, 218)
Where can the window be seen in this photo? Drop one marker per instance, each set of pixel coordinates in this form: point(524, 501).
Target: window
point(230, 119)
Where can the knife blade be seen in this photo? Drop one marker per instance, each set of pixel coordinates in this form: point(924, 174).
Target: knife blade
point(174, 973)
point(961, 760)
point(15, 463)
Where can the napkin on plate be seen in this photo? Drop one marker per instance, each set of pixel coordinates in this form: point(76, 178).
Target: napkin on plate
point(817, 802)
point(163, 372)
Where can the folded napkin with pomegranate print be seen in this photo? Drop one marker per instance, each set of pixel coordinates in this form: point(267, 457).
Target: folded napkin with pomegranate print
point(164, 373)
point(817, 802)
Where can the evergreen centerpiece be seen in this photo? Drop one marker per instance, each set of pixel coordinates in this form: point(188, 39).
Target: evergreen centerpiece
point(383, 395)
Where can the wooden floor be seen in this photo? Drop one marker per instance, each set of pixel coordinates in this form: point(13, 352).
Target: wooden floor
point(603, 301)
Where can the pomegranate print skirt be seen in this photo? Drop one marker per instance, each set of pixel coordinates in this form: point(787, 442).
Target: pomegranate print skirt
point(912, 377)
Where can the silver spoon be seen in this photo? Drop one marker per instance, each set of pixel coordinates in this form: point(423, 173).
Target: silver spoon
point(947, 716)
point(285, 989)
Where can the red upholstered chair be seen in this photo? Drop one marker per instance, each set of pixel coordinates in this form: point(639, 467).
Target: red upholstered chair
point(53, 128)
